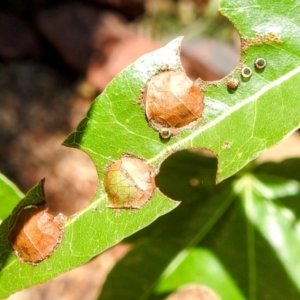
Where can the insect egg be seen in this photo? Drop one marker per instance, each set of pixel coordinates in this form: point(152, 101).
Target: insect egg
point(165, 133)
point(246, 73)
point(232, 83)
point(260, 63)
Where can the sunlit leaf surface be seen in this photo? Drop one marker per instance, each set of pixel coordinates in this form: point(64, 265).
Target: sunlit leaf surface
point(236, 125)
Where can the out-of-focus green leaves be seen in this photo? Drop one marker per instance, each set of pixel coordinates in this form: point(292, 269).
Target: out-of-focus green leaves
point(201, 266)
point(240, 238)
point(10, 195)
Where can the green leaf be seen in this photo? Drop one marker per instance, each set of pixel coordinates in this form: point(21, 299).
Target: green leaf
point(98, 227)
point(10, 195)
point(240, 238)
point(237, 126)
point(205, 267)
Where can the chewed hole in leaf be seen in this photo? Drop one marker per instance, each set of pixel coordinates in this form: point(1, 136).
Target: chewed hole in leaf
point(71, 182)
point(172, 101)
point(187, 172)
point(35, 234)
point(129, 183)
point(215, 57)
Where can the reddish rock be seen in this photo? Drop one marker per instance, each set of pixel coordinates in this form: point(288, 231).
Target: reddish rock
point(100, 72)
point(194, 292)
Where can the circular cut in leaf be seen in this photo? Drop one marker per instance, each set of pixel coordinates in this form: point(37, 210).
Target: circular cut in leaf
point(35, 234)
point(129, 183)
point(172, 101)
